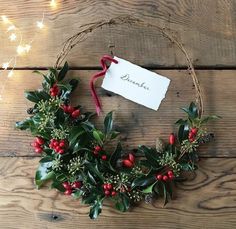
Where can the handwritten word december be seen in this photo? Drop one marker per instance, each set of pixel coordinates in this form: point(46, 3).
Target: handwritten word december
point(127, 78)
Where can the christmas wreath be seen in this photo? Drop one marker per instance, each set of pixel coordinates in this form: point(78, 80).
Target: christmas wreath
point(75, 158)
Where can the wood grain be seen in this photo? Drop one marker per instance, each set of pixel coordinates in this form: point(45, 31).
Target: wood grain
point(137, 124)
point(22, 206)
point(208, 37)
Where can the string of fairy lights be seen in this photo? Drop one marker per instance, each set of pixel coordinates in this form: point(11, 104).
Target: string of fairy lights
point(22, 48)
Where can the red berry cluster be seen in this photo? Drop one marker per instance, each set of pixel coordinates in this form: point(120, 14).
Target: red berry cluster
point(54, 91)
point(58, 145)
point(172, 139)
point(108, 190)
point(75, 113)
point(167, 177)
point(96, 152)
point(192, 134)
point(71, 186)
point(129, 161)
point(37, 144)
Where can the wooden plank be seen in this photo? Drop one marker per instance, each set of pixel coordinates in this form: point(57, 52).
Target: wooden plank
point(210, 38)
point(209, 199)
point(137, 124)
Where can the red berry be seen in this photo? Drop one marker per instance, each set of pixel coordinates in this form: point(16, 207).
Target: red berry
point(113, 193)
point(54, 94)
point(194, 130)
point(109, 186)
point(68, 192)
point(107, 193)
point(165, 178)
point(39, 140)
point(64, 108)
point(131, 157)
point(191, 139)
point(51, 145)
point(127, 163)
point(75, 114)
point(98, 148)
point(95, 152)
point(35, 144)
point(66, 185)
point(77, 184)
point(57, 149)
point(70, 109)
point(62, 143)
point(170, 173)
point(191, 135)
point(172, 139)
point(104, 186)
point(171, 177)
point(55, 143)
point(61, 151)
point(38, 149)
point(53, 140)
point(104, 157)
point(159, 177)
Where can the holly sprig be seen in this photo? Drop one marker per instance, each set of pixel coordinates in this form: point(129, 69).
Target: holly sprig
point(76, 161)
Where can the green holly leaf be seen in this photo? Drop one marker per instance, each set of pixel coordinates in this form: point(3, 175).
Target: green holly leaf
point(57, 185)
point(75, 133)
point(73, 83)
point(108, 123)
point(47, 158)
point(115, 156)
point(183, 132)
point(149, 188)
point(144, 181)
point(48, 81)
point(123, 202)
point(43, 174)
point(63, 72)
point(192, 111)
point(209, 118)
point(95, 209)
point(99, 136)
point(26, 124)
point(114, 134)
point(151, 155)
point(180, 122)
point(93, 169)
point(36, 96)
point(77, 194)
point(164, 190)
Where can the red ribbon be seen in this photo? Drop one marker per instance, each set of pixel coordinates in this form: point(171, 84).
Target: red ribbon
point(97, 75)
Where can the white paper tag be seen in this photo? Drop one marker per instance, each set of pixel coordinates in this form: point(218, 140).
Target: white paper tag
point(136, 83)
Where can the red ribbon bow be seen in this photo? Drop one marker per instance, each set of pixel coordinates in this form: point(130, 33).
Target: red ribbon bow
point(97, 75)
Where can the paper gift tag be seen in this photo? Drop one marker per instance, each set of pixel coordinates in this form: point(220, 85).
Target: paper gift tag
point(136, 83)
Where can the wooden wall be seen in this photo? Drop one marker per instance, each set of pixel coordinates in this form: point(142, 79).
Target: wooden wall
point(207, 28)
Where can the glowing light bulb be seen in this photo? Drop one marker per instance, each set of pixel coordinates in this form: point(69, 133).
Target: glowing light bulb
point(53, 3)
point(10, 28)
point(20, 49)
point(5, 19)
point(40, 24)
point(27, 48)
point(12, 37)
point(10, 74)
point(5, 65)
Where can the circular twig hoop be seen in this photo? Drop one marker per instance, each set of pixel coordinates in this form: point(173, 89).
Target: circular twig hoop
point(80, 36)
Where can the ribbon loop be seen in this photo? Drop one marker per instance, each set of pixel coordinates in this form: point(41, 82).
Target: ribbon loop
point(97, 75)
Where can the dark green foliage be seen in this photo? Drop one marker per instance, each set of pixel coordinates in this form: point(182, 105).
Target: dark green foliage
point(86, 160)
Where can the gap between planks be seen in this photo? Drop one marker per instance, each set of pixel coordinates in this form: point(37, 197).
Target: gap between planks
point(149, 67)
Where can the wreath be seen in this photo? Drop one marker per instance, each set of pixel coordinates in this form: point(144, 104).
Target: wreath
point(75, 157)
